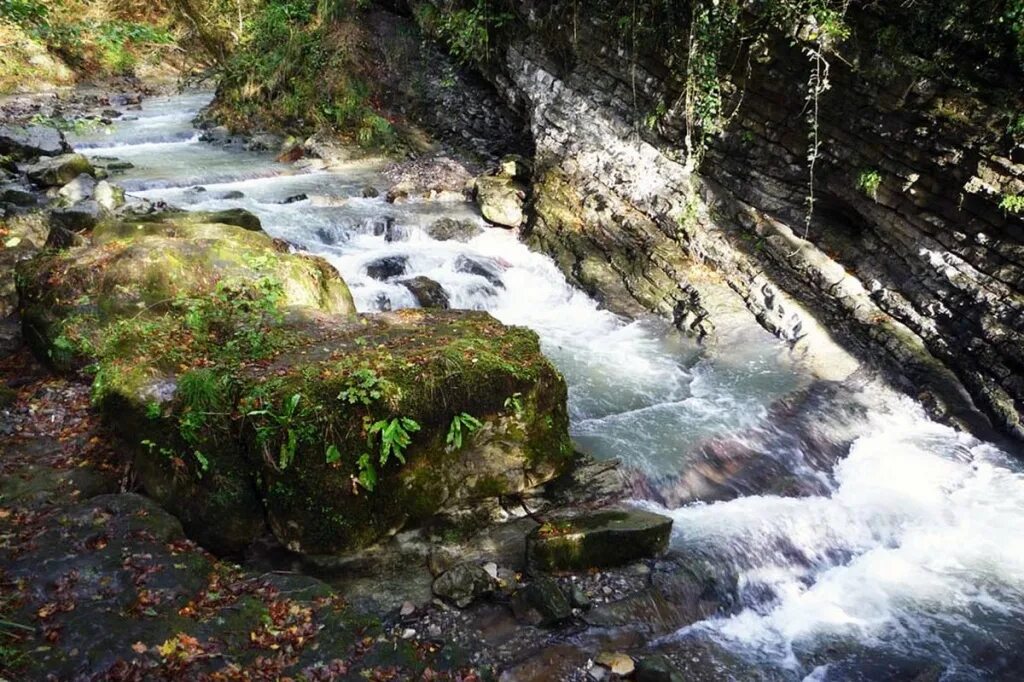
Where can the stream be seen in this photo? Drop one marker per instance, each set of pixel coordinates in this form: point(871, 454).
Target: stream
point(858, 529)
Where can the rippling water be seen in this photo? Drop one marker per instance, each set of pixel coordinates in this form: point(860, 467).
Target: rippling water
point(862, 534)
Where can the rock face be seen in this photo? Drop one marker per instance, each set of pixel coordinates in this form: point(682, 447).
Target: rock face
point(247, 391)
point(923, 273)
point(598, 540)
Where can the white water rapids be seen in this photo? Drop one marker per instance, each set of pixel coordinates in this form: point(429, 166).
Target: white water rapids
point(909, 548)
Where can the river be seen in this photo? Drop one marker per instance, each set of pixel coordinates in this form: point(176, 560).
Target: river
point(853, 522)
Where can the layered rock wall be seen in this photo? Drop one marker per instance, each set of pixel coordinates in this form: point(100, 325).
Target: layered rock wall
point(917, 268)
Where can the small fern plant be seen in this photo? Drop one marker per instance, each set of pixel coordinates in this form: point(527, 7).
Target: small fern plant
point(390, 437)
point(461, 427)
point(278, 422)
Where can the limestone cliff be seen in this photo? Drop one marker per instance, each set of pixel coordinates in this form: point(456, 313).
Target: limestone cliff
point(908, 260)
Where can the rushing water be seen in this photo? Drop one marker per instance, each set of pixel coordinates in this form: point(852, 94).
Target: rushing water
point(858, 529)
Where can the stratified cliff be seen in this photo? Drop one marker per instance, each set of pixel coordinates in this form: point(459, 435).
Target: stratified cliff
point(914, 255)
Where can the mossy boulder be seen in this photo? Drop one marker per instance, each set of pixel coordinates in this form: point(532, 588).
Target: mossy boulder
point(445, 372)
point(59, 170)
point(135, 267)
point(246, 390)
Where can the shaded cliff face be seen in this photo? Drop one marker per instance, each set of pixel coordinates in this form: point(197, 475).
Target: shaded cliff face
point(909, 260)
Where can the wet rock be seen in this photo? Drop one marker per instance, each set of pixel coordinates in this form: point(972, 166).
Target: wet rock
point(463, 583)
point(111, 113)
point(450, 229)
point(481, 268)
point(295, 199)
point(657, 669)
point(617, 663)
point(370, 192)
point(28, 142)
point(579, 598)
point(232, 195)
point(542, 602)
point(388, 267)
point(79, 189)
point(428, 293)
point(500, 200)
point(119, 166)
point(59, 170)
point(263, 142)
point(110, 197)
point(608, 538)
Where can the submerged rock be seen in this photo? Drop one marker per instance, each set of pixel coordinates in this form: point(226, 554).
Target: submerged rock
point(542, 602)
point(500, 200)
point(59, 170)
point(608, 538)
point(387, 267)
point(481, 268)
point(428, 293)
point(449, 229)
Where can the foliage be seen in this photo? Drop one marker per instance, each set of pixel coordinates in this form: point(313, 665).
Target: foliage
point(287, 69)
point(514, 404)
point(392, 438)
point(1012, 203)
point(362, 387)
point(462, 425)
point(467, 31)
point(868, 181)
point(281, 426)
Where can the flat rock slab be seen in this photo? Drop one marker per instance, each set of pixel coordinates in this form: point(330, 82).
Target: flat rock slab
point(26, 142)
point(601, 539)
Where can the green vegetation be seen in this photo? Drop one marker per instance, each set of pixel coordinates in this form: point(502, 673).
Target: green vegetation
point(1012, 203)
point(287, 71)
point(868, 182)
point(462, 425)
point(43, 39)
point(467, 31)
point(394, 436)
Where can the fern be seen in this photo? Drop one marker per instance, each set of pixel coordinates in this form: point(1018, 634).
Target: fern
point(461, 424)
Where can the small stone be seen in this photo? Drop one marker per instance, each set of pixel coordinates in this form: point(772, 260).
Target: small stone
point(618, 663)
point(408, 608)
point(434, 631)
point(492, 569)
point(579, 598)
point(408, 633)
point(463, 583)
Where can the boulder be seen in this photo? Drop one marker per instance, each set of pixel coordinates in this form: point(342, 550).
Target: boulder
point(449, 229)
point(79, 189)
point(387, 267)
point(59, 170)
point(463, 584)
point(245, 391)
point(500, 200)
point(542, 602)
point(110, 197)
point(601, 539)
point(18, 196)
point(29, 142)
point(617, 663)
point(232, 195)
point(370, 192)
point(82, 217)
point(428, 293)
point(485, 268)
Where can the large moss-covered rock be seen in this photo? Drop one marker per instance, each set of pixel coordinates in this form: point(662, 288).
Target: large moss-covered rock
point(444, 371)
point(145, 265)
point(59, 170)
point(245, 389)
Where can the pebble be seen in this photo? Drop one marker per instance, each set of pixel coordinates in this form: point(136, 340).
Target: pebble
point(408, 608)
point(409, 633)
